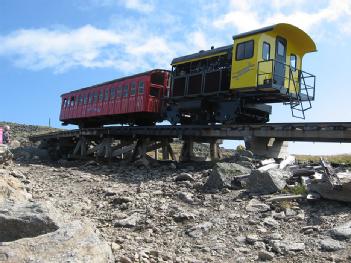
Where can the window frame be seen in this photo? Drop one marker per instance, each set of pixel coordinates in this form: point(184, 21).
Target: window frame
point(125, 92)
point(244, 43)
point(133, 89)
point(295, 67)
point(265, 43)
point(119, 92)
point(141, 87)
point(113, 93)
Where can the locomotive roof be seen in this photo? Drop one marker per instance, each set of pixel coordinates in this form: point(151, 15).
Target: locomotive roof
point(202, 54)
point(114, 80)
point(290, 31)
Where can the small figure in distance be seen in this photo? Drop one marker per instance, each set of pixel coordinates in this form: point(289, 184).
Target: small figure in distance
point(6, 137)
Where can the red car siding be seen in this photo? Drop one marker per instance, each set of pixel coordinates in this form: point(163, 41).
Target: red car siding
point(117, 105)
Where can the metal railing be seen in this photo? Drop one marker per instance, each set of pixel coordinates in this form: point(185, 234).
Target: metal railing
point(297, 84)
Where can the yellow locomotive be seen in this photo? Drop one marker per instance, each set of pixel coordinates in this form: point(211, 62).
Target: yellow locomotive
point(234, 83)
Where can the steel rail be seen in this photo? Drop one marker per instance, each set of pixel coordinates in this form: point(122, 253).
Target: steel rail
point(303, 131)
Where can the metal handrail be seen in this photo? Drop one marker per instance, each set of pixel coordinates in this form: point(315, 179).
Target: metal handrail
point(299, 88)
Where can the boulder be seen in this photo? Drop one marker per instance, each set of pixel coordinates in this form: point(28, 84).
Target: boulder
point(342, 232)
point(5, 153)
point(267, 182)
point(327, 190)
point(223, 175)
point(256, 206)
point(73, 242)
point(26, 219)
point(331, 245)
point(11, 189)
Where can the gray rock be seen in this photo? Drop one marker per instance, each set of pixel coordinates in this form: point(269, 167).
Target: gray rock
point(264, 255)
point(327, 191)
point(331, 245)
point(270, 221)
point(184, 177)
point(131, 221)
point(223, 175)
point(342, 232)
point(73, 242)
point(5, 153)
point(199, 230)
point(121, 200)
point(256, 206)
point(26, 219)
point(267, 182)
point(183, 216)
point(285, 246)
point(124, 259)
point(185, 197)
point(252, 238)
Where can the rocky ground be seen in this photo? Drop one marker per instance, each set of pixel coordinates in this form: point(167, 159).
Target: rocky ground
point(164, 214)
point(190, 212)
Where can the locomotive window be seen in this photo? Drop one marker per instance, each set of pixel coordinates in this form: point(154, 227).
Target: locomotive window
point(106, 95)
point(119, 92)
point(266, 50)
point(125, 91)
point(245, 50)
point(293, 61)
point(281, 49)
point(95, 97)
point(133, 89)
point(141, 87)
point(112, 93)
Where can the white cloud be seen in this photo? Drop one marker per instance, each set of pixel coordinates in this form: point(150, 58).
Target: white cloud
point(139, 5)
point(143, 6)
point(251, 14)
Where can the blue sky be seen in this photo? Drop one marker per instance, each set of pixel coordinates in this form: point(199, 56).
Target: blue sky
point(51, 47)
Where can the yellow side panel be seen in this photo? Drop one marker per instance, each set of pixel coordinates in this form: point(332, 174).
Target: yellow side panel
point(244, 72)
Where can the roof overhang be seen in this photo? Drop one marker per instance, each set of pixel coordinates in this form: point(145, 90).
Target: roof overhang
point(287, 30)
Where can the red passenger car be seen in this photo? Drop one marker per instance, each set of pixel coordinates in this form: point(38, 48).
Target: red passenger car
point(135, 99)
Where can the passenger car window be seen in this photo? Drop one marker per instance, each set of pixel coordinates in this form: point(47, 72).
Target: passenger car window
point(106, 95)
point(141, 87)
point(113, 93)
point(72, 101)
point(95, 97)
point(125, 91)
point(85, 99)
point(133, 89)
point(119, 92)
point(266, 51)
point(293, 60)
point(64, 103)
point(154, 92)
point(245, 50)
point(90, 98)
point(101, 95)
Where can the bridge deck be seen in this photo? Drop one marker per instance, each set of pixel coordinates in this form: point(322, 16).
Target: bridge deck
point(307, 131)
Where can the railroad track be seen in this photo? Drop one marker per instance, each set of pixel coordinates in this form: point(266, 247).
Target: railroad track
point(305, 131)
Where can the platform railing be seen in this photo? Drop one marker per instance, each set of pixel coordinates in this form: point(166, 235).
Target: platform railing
point(297, 84)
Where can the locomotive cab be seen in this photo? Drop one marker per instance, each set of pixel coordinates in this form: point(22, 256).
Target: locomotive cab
point(235, 83)
point(267, 66)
